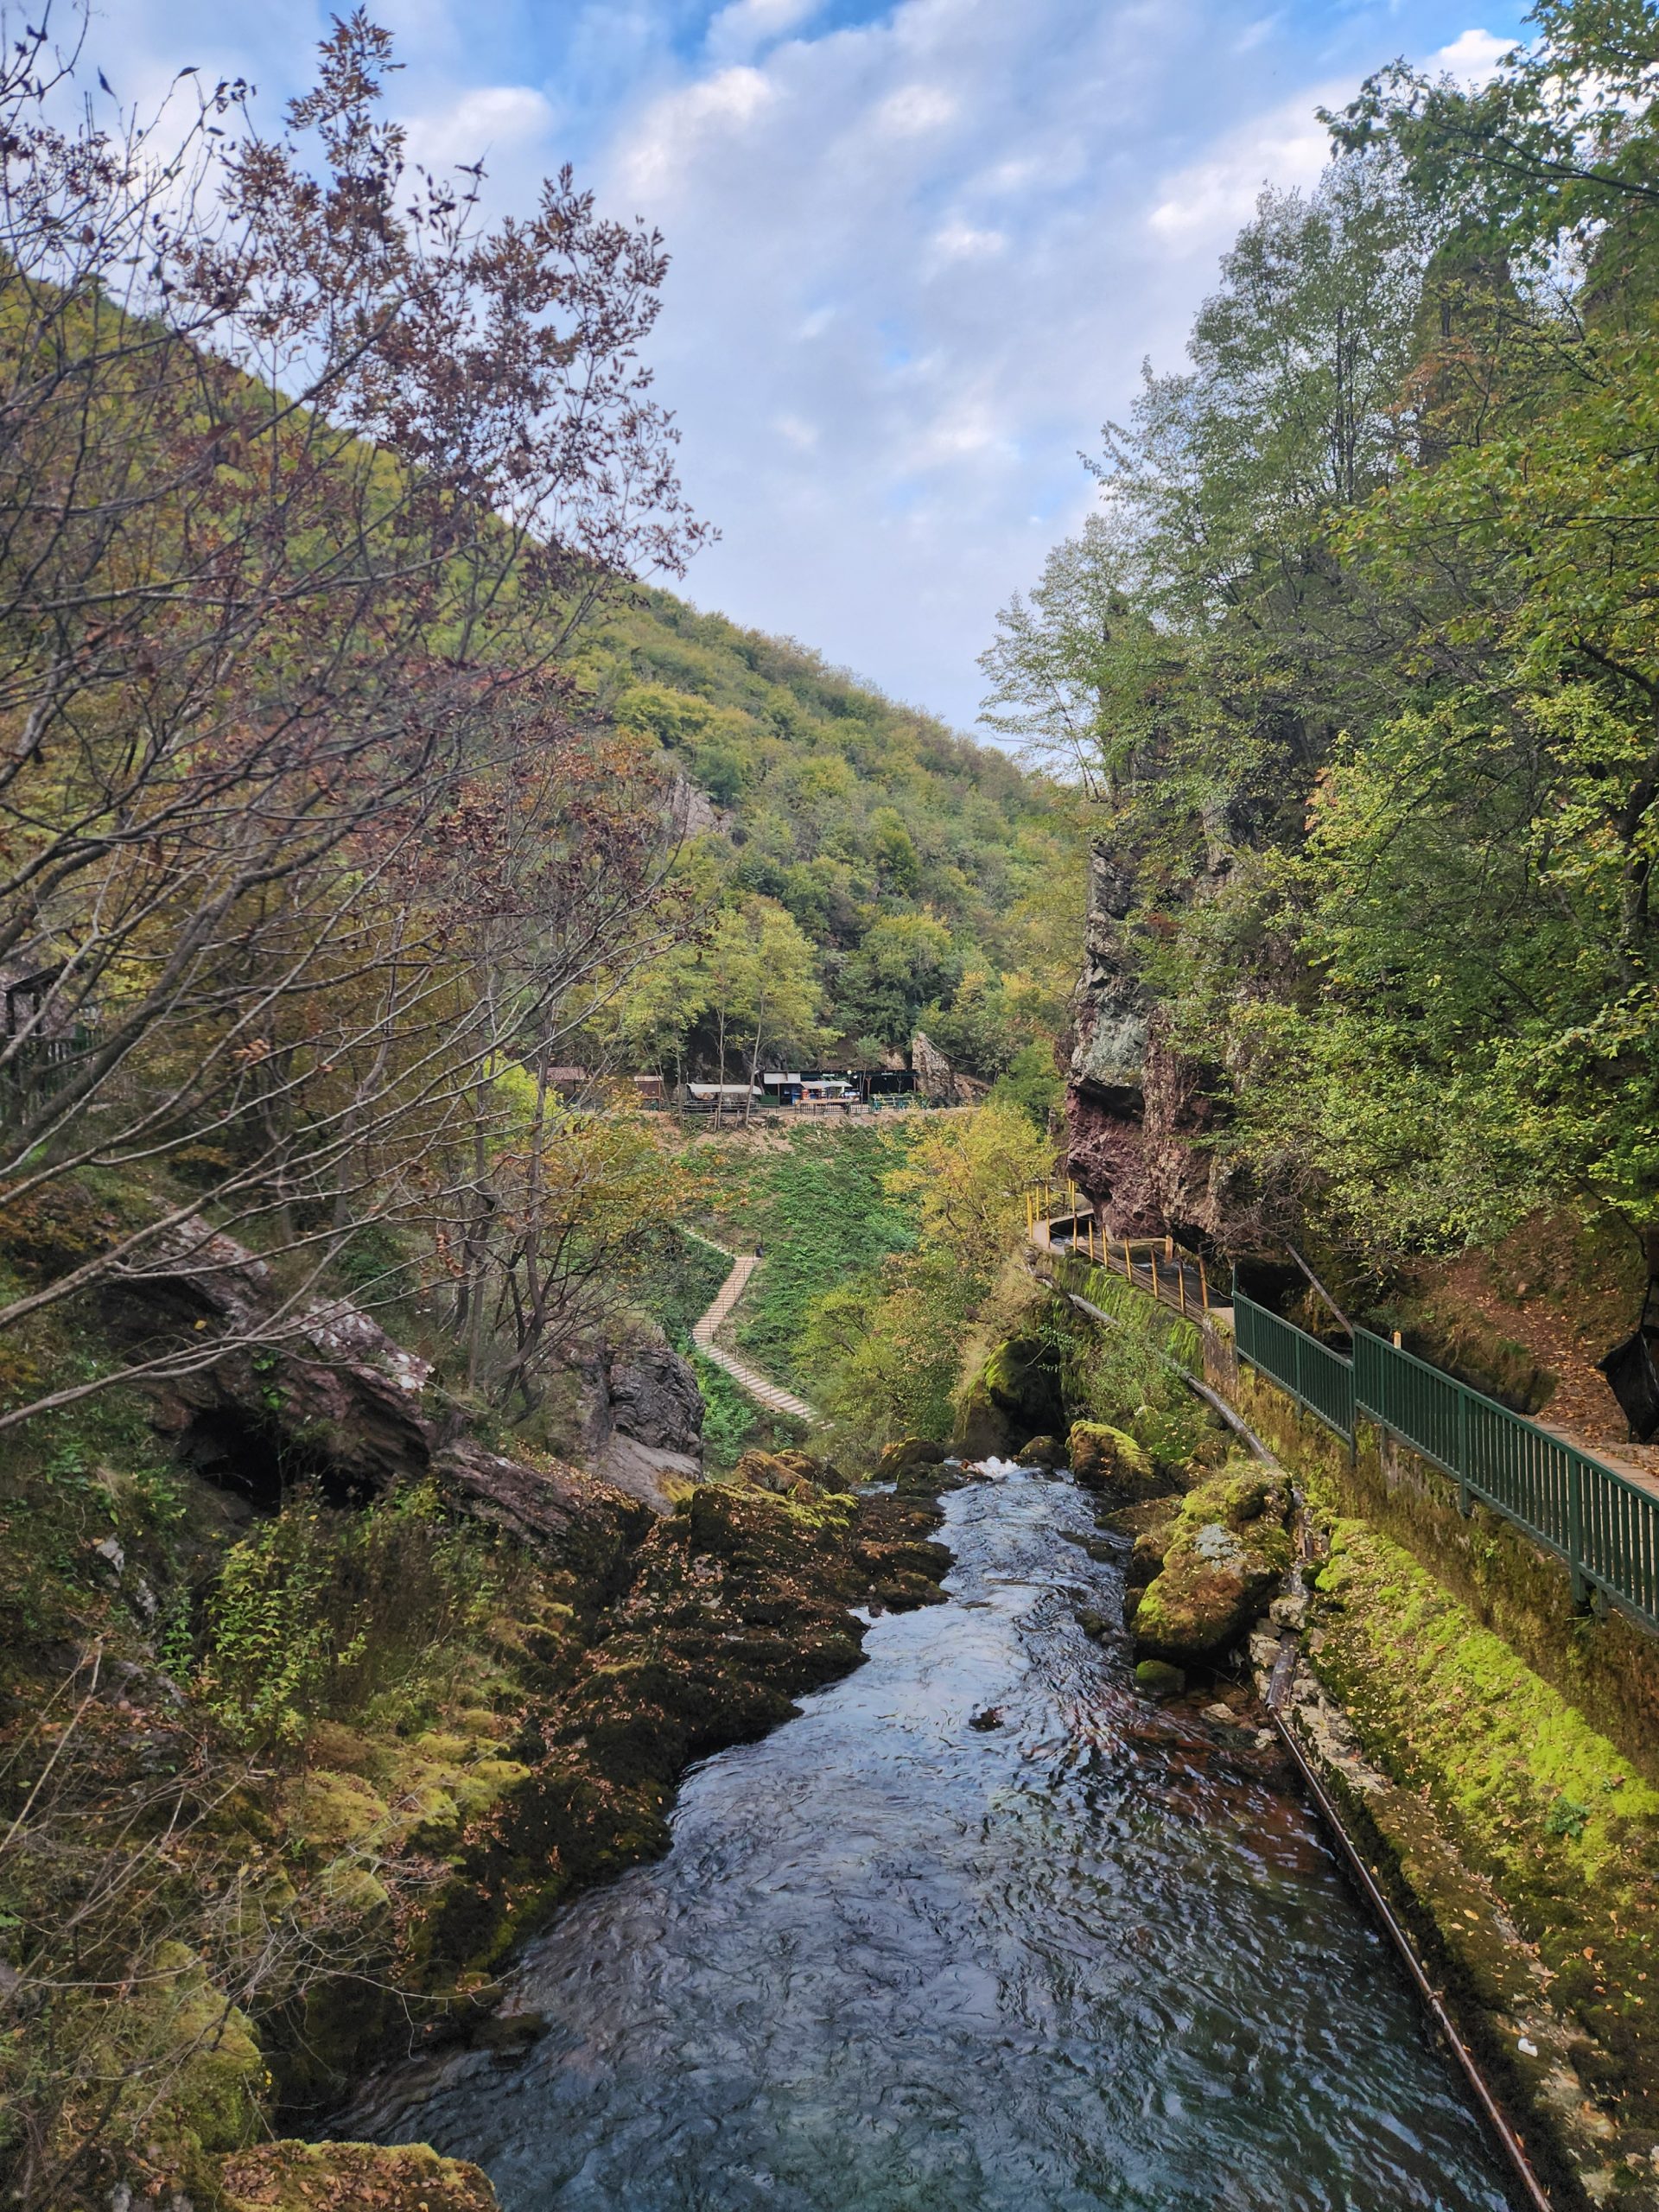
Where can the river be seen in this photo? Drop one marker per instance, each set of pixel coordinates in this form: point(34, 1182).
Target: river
point(1093, 1954)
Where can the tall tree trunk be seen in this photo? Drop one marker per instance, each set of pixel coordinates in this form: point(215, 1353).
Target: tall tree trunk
point(754, 1056)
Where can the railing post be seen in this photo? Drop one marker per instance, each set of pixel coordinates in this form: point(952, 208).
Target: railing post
point(1463, 1506)
point(1575, 1529)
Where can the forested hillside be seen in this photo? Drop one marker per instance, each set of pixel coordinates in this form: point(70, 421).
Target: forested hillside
point(857, 870)
point(1357, 662)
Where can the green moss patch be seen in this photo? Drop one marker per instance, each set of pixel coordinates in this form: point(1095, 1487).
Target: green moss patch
point(1530, 1794)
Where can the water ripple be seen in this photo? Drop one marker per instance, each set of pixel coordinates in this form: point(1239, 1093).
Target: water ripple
point(1084, 1959)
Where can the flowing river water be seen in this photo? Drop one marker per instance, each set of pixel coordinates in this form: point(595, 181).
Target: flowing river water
point(1091, 1955)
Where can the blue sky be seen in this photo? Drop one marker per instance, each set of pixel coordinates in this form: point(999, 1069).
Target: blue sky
point(920, 250)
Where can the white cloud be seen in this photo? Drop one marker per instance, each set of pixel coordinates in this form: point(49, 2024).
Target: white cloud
point(961, 241)
point(1200, 207)
point(920, 247)
point(677, 130)
point(915, 108)
point(491, 119)
point(1472, 57)
point(743, 28)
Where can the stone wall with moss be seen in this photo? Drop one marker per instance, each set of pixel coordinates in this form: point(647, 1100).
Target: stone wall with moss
point(1600, 1662)
point(1519, 1815)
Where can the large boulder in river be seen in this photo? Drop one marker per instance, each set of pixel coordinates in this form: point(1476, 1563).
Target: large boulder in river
point(1226, 1555)
point(1109, 1461)
point(911, 1452)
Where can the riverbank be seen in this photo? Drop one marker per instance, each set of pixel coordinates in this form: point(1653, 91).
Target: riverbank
point(1491, 1750)
point(414, 1726)
point(1515, 1827)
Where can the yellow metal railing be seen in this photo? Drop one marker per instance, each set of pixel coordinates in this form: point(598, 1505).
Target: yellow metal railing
point(1060, 1210)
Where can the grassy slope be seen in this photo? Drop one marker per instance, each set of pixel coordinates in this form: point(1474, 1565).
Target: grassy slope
point(816, 1205)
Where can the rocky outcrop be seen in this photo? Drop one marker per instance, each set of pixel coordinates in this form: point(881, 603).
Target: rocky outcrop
point(1224, 1557)
point(786, 1474)
point(739, 1603)
point(1015, 1394)
point(909, 1452)
point(325, 1391)
point(644, 1428)
point(1136, 1109)
point(936, 1081)
point(335, 1399)
point(574, 1521)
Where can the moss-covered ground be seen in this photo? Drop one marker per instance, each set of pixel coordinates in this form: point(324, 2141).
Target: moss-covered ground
point(1531, 1795)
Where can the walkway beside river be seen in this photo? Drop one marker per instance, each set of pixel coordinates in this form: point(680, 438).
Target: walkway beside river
point(770, 1395)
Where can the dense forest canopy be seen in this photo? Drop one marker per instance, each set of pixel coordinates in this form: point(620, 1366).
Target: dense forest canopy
point(862, 871)
point(1356, 659)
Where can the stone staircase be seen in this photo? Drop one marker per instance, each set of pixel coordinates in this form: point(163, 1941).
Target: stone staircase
point(770, 1395)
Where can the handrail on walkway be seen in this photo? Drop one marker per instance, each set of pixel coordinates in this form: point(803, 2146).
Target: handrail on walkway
point(1152, 1263)
point(1605, 1526)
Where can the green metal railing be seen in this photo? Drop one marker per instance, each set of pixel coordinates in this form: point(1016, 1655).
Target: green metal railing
point(1317, 1377)
point(1605, 1526)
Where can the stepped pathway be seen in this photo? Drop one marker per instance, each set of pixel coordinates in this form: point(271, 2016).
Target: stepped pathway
point(749, 1378)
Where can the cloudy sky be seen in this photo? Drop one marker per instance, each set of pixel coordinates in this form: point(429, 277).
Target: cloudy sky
point(920, 250)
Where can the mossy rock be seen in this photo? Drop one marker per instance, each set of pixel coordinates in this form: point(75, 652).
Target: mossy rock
point(1227, 1554)
point(913, 1451)
point(290, 2177)
point(1146, 1560)
point(327, 1811)
point(219, 2072)
point(1015, 1394)
point(1109, 1461)
point(780, 1473)
point(354, 1889)
point(1041, 1452)
point(1157, 1678)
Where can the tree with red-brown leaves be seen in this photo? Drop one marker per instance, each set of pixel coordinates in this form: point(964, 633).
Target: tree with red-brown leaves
point(307, 473)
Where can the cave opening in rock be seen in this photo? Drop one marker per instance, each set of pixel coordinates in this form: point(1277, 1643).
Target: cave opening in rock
point(237, 1453)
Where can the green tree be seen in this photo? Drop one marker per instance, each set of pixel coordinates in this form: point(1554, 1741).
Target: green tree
point(906, 962)
point(883, 1350)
